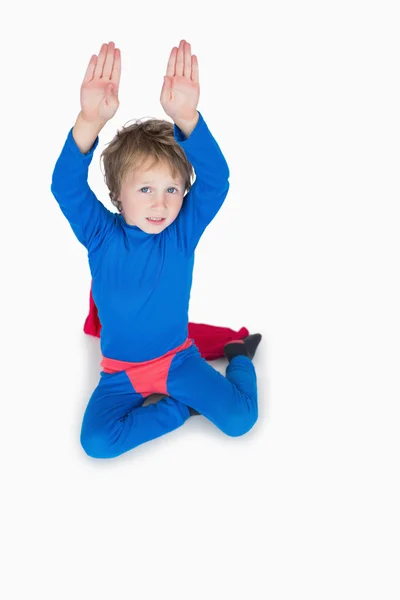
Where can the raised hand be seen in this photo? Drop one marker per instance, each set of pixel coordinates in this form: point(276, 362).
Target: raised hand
point(181, 91)
point(99, 90)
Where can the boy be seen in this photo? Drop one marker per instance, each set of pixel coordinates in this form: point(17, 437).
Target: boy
point(141, 261)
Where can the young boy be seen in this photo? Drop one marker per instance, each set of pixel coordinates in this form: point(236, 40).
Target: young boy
point(141, 260)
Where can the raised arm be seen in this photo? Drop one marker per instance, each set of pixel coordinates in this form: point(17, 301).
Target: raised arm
point(179, 98)
point(88, 217)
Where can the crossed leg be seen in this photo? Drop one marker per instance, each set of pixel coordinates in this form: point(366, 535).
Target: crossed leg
point(116, 421)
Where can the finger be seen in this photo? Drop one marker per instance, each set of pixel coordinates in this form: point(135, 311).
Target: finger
point(116, 73)
point(195, 69)
point(172, 62)
point(187, 67)
point(90, 68)
point(179, 59)
point(108, 64)
point(100, 61)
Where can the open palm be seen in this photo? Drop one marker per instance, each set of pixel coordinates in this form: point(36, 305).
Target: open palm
point(181, 90)
point(99, 90)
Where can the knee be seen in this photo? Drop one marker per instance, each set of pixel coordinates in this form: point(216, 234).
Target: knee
point(96, 444)
point(239, 424)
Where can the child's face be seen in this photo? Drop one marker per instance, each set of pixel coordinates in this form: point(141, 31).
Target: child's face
point(150, 193)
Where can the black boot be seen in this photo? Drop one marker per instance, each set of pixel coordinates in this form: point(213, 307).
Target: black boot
point(246, 347)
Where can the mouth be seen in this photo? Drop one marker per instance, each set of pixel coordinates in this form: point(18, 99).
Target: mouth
point(155, 220)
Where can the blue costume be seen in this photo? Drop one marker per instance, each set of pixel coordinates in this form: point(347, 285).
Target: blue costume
point(141, 286)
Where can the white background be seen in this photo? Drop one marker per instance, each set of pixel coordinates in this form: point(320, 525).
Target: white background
point(303, 100)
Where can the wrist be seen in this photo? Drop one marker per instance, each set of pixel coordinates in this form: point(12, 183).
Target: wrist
point(85, 132)
point(95, 125)
point(187, 125)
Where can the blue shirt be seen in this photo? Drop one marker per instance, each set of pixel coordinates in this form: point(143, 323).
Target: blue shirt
point(141, 282)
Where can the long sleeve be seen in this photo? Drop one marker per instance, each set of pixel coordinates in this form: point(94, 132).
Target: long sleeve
point(210, 188)
point(87, 216)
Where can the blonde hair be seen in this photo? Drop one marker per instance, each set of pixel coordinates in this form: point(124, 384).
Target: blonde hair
point(133, 145)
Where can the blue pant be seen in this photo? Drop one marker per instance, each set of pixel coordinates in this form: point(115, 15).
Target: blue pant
point(115, 420)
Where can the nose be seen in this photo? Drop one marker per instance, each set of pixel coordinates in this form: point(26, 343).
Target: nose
point(159, 200)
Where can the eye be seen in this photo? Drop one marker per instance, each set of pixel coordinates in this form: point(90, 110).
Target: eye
point(144, 188)
point(172, 188)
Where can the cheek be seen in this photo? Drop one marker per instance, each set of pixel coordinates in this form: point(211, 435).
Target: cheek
point(177, 205)
point(132, 203)
point(175, 209)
